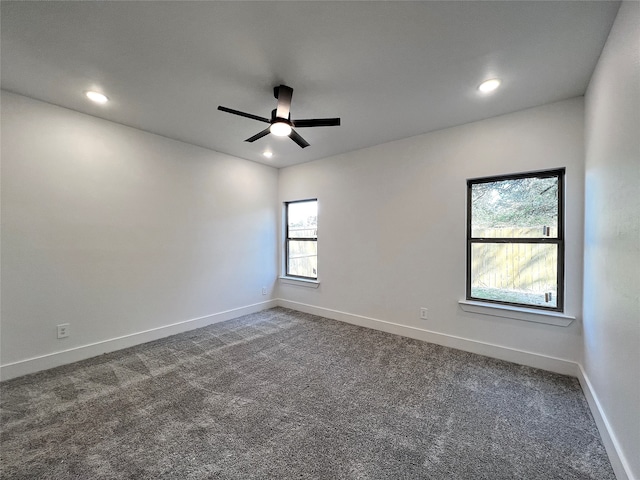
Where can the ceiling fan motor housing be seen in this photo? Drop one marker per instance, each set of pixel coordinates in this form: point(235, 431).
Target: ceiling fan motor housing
point(275, 119)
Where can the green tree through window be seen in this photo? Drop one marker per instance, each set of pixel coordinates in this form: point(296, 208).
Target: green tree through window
point(515, 244)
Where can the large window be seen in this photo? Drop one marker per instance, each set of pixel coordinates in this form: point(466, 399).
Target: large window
point(515, 240)
point(301, 249)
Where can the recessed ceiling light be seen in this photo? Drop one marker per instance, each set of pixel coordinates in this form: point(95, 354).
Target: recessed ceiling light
point(96, 97)
point(267, 154)
point(280, 129)
point(489, 85)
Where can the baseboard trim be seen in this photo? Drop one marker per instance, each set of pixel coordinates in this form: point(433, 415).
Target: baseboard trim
point(521, 357)
point(56, 359)
point(617, 458)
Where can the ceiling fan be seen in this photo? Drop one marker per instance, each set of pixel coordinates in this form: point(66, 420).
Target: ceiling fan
point(281, 124)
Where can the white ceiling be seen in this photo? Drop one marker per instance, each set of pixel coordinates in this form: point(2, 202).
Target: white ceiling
point(390, 70)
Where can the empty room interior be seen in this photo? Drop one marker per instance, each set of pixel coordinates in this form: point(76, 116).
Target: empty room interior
point(324, 240)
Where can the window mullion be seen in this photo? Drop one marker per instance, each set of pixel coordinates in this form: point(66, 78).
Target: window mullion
point(515, 240)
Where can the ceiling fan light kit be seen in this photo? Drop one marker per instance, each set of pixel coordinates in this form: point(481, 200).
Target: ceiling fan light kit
point(280, 129)
point(280, 123)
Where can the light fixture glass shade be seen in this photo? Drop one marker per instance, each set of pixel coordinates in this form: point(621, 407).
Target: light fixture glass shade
point(280, 129)
point(96, 97)
point(489, 85)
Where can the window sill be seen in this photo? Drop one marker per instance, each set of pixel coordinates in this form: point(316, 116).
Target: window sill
point(517, 313)
point(300, 282)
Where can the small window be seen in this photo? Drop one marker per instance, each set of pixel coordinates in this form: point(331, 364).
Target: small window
point(301, 249)
point(515, 240)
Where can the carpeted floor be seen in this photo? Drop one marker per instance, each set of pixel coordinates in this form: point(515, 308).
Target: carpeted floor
point(281, 395)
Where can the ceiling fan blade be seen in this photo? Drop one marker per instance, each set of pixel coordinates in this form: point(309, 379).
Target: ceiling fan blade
point(317, 122)
point(258, 135)
point(284, 101)
point(243, 114)
point(298, 139)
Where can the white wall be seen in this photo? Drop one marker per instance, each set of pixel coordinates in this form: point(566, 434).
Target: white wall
point(612, 235)
point(117, 231)
point(391, 224)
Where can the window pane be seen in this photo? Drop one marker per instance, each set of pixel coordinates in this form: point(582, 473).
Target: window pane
point(303, 258)
point(523, 207)
point(515, 273)
point(302, 219)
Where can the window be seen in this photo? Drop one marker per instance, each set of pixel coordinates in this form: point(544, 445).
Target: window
point(515, 240)
point(301, 249)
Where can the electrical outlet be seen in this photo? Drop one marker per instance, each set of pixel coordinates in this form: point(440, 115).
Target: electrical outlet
point(63, 330)
point(424, 314)
point(264, 290)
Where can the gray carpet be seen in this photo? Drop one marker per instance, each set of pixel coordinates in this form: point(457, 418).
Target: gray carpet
point(281, 395)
